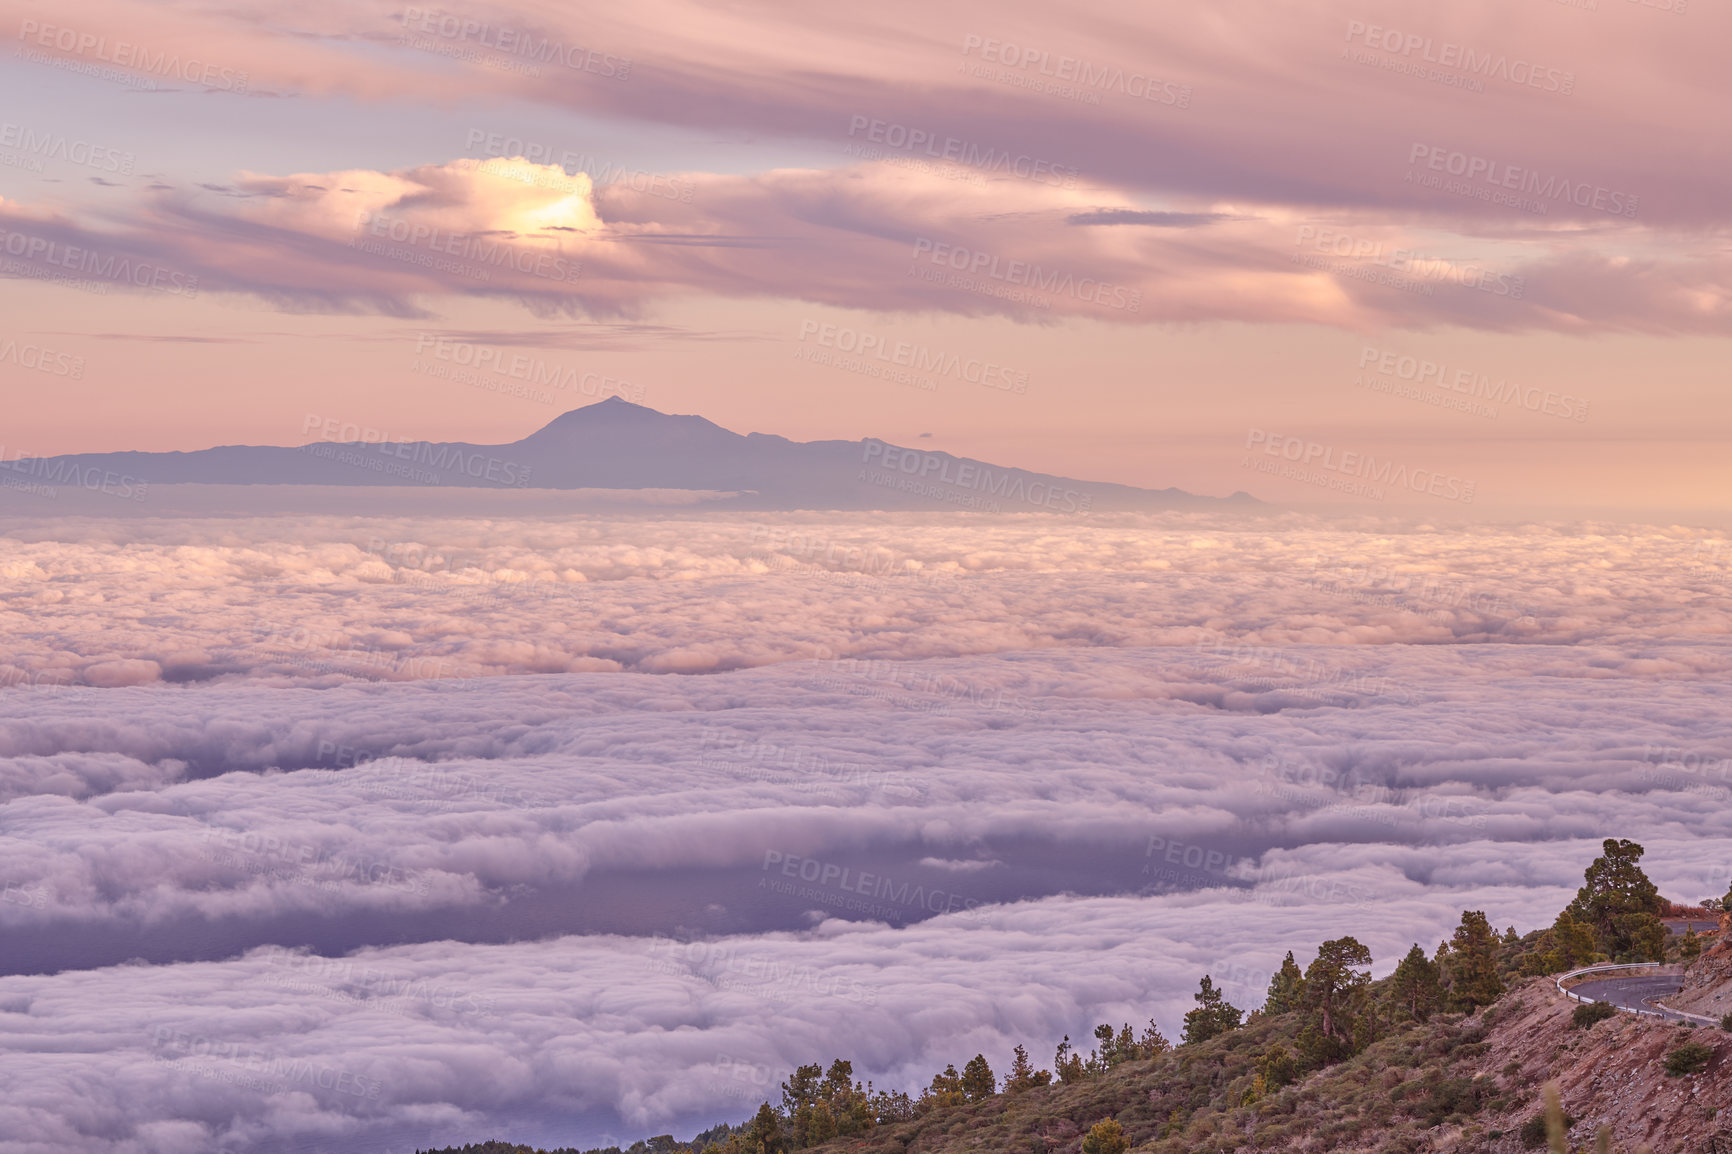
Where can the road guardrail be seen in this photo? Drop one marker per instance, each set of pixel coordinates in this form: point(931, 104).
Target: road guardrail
point(1606, 967)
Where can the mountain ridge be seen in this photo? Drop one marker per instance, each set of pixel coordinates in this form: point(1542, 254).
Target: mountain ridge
point(617, 445)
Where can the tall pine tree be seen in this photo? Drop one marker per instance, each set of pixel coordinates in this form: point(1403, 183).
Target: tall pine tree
point(1286, 988)
point(1416, 987)
point(1212, 1016)
point(1621, 904)
point(1340, 968)
point(1472, 965)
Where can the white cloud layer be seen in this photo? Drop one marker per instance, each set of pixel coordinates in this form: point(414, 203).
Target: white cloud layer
point(1047, 776)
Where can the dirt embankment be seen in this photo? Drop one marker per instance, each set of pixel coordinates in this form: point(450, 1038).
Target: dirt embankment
point(1707, 984)
point(1613, 1074)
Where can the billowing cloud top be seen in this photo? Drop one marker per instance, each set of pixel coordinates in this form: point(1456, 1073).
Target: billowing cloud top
point(1317, 167)
point(360, 829)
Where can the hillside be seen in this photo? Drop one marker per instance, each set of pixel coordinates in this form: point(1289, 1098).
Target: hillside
point(1459, 1084)
point(1451, 1054)
point(1708, 984)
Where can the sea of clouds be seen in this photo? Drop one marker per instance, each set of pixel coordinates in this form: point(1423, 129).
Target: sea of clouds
point(329, 832)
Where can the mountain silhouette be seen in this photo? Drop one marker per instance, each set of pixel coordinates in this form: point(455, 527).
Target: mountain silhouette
point(617, 445)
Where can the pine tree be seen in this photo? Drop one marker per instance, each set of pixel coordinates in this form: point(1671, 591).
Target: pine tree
point(1106, 1137)
point(978, 1080)
point(1368, 1019)
point(1103, 1052)
point(1573, 941)
point(1277, 1067)
point(1023, 1075)
point(1212, 1016)
point(849, 1103)
point(1415, 987)
point(763, 1133)
point(945, 1090)
point(1472, 968)
point(895, 1106)
point(1286, 988)
point(1067, 1063)
point(1691, 947)
point(800, 1099)
point(1332, 976)
point(1153, 1043)
point(1619, 901)
point(1330, 981)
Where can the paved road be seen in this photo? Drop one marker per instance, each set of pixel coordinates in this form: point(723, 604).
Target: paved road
point(1679, 927)
point(1632, 992)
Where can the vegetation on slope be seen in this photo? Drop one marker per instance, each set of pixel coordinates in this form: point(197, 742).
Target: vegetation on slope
point(1331, 1061)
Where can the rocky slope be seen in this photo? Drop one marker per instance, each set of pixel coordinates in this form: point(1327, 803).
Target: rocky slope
point(1707, 984)
point(1462, 1086)
point(1612, 1074)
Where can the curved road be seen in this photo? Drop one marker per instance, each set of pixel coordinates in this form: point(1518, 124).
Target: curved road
point(1632, 992)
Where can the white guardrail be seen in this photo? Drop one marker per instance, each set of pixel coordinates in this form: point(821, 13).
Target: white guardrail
point(1606, 967)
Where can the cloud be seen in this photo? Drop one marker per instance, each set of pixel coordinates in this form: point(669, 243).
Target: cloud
point(940, 238)
point(305, 886)
point(322, 600)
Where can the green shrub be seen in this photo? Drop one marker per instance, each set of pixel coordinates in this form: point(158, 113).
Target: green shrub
point(1106, 1137)
point(1588, 1013)
point(1726, 1022)
point(1533, 1131)
point(1690, 1058)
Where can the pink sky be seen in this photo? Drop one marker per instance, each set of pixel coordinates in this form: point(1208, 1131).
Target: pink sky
point(1487, 240)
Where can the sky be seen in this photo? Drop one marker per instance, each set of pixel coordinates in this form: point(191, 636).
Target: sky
point(1486, 241)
